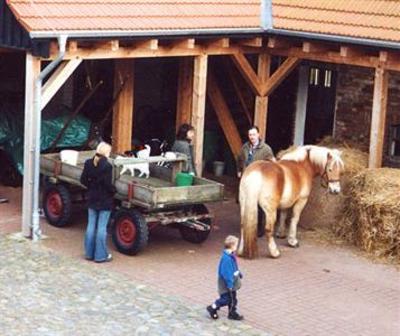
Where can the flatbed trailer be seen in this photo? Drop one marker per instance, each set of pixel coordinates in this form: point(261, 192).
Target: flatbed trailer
point(140, 203)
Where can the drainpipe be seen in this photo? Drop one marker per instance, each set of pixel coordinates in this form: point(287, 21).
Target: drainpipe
point(266, 14)
point(37, 113)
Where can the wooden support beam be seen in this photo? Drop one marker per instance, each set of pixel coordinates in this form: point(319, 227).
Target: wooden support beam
point(350, 51)
point(114, 45)
point(185, 91)
point(224, 115)
point(143, 50)
point(335, 57)
point(261, 103)
point(151, 44)
point(279, 43)
point(248, 73)
point(72, 46)
point(239, 92)
point(32, 71)
point(251, 42)
point(184, 44)
point(378, 120)
point(279, 75)
point(387, 56)
point(198, 108)
point(312, 47)
point(58, 78)
point(218, 43)
point(123, 109)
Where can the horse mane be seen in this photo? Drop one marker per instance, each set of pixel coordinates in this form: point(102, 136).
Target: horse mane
point(318, 155)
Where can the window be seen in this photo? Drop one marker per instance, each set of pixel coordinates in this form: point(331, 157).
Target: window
point(394, 147)
point(323, 77)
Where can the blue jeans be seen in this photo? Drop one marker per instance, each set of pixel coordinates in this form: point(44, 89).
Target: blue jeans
point(229, 300)
point(96, 235)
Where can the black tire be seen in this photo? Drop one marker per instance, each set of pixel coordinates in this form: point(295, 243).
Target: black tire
point(57, 204)
point(129, 232)
point(192, 235)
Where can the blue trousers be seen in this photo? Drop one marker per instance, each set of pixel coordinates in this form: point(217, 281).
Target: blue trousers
point(96, 235)
point(227, 299)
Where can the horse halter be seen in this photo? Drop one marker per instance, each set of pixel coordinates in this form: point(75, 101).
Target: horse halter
point(325, 180)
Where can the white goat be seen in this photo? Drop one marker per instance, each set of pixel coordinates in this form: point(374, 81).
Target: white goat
point(143, 167)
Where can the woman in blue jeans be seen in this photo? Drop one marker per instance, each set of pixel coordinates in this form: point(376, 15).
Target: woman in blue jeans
point(97, 178)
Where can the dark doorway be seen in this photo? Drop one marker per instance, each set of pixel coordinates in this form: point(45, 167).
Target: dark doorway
point(320, 104)
point(281, 110)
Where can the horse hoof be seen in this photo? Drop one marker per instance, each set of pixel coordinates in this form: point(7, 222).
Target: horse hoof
point(275, 255)
point(294, 245)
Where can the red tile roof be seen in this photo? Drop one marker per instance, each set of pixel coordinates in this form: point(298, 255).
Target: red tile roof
point(135, 15)
point(370, 19)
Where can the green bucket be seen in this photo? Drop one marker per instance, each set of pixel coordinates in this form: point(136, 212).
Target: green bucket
point(183, 179)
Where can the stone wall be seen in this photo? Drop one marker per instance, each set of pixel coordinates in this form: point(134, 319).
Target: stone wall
point(354, 105)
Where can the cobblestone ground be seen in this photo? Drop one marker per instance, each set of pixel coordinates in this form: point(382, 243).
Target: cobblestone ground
point(316, 290)
point(47, 294)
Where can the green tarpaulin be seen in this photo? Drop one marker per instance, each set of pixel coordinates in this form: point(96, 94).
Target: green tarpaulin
point(12, 134)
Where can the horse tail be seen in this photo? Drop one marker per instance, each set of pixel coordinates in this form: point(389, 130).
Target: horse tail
point(248, 199)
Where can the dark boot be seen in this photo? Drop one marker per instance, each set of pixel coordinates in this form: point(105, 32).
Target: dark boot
point(213, 312)
point(235, 316)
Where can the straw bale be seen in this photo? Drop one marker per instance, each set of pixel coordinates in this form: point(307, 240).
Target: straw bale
point(371, 216)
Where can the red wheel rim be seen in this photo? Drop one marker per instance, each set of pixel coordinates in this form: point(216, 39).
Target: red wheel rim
point(54, 204)
point(126, 231)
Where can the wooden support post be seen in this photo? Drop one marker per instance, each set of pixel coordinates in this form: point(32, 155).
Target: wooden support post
point(261, 103)
point(198, 108)
point(279, 75)
point(239, 92)
point(379, 108)
point(32, 71)
point(248, 73)
point(123, 109)
point(224, 115)
point(185, 89)
point(58, 78)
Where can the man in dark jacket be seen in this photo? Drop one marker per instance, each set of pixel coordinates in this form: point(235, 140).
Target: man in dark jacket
point(253, 150)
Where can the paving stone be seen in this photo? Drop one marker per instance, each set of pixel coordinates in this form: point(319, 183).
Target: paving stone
point(44, 294)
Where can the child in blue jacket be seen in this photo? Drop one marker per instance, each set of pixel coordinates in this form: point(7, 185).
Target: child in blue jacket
point(229, 281)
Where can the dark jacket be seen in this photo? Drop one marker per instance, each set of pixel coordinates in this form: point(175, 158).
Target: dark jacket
point(261, 152)
point(98, 181)
point(184, 147)
point(228, 273)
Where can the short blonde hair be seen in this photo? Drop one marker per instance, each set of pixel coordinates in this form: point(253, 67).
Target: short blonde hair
point(230, 241)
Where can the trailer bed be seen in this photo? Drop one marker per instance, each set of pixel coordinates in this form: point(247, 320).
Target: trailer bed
point(156, 192)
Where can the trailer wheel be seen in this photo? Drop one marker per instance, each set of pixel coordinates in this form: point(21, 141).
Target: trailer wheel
point(57, 204)
point(130, 232)
point(196, 236)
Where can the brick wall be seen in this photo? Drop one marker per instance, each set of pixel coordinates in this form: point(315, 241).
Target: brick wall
point(354, 105)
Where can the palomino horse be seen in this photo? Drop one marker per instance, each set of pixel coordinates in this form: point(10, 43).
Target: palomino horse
point(282, 185)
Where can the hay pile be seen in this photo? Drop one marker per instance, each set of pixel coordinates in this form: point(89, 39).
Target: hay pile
point(323, 208)
point(371, 216)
